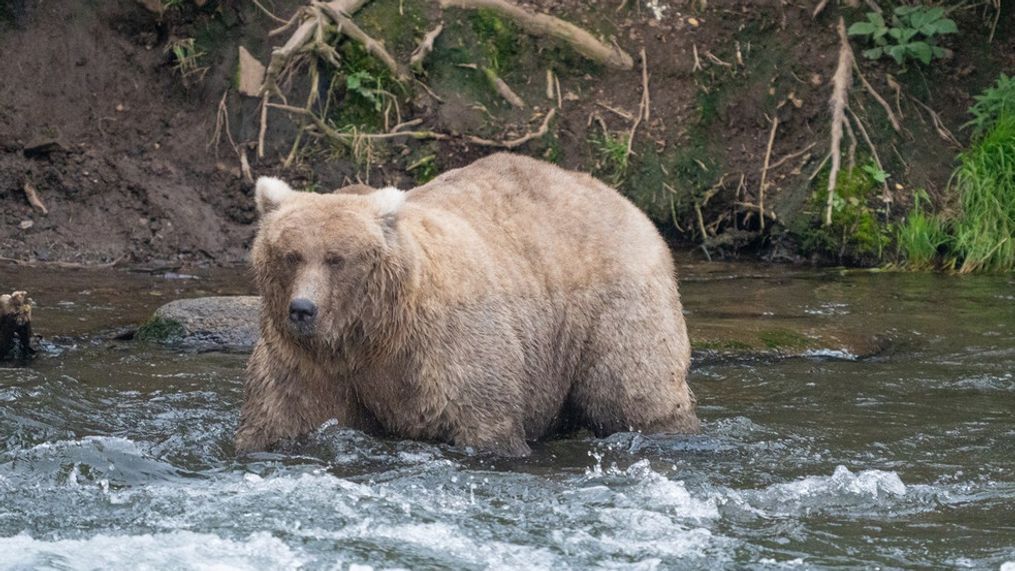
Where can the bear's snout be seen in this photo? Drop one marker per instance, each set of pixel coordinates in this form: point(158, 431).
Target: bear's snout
point(302, 312)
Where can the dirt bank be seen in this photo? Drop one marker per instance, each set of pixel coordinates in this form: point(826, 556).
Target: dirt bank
point(96, 116)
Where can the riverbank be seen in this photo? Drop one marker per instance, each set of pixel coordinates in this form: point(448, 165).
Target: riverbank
point(134, 148)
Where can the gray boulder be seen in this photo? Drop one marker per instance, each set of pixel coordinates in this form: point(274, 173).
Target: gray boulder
point(226, 322)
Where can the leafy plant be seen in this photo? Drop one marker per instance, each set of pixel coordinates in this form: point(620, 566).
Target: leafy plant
point(360, 83)
point(913, 33)
point(994, 102)
point(879, 176)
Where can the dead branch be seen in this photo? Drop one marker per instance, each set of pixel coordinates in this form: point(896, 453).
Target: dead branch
point(817, 9)
point(619, 112)
point(514, 143)
point(877, 97)
point(373, 47)
point(764, 172)
point(33, 198)
point(840, 95)
point(424, 48)
point(642, 106)
point(790, 157)
point(269, 14)
point(539, 24)
point(349, 138)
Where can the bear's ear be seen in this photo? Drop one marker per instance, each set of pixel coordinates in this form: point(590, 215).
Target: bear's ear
point(270, 193)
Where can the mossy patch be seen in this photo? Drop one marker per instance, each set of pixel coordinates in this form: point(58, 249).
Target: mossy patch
point(160, 330)
point(782, 339)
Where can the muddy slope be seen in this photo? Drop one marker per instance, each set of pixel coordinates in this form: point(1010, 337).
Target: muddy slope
point(120, 148)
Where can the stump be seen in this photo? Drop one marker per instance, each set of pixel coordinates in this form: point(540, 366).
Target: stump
point(16, 326)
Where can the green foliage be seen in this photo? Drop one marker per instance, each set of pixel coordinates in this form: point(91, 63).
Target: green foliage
point(912, 34)
point(855, 233)
point(985, 180)
point(363, 84)
point(994, 102)
point(186, 58)
point(424, 169)
point(922, 236)
point(611, 156)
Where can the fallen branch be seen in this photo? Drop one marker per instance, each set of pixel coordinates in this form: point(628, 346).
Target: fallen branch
point(33, 198)
point(840, 94)
point(764, 172)
point(513, 143)
point(539, 24)
point(424, 48)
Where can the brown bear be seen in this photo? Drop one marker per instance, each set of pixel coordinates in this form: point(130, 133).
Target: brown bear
point(497, 304)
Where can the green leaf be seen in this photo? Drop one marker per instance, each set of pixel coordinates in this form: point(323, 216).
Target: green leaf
point(861, 29)
point(947, 26)
point(898, 53)
point(921, 50)
point(876, 19)
point(938, 51)
point(873, 53)
point(934, 13)
point(895, 33)
point(904, 10)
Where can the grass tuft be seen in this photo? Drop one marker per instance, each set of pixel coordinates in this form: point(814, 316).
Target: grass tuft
point(985, 181)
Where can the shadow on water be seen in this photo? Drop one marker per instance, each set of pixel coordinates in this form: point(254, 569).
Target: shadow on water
point(876, 429)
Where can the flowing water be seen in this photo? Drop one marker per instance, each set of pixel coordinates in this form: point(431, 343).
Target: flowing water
point(118, 455)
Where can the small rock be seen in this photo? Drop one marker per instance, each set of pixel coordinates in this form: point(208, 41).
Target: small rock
point(26, 224)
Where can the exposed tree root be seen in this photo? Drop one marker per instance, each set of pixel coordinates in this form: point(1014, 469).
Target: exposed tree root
point(545, 25)
point(886, 195)
point(514, 143)
point(840, 95)
point(424, 48)
point(764, 172)
point(877, 97)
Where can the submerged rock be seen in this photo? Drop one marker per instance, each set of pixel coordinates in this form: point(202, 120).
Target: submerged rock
point(226, 322)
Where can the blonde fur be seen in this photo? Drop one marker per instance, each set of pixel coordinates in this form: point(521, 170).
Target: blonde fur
point(498, 304)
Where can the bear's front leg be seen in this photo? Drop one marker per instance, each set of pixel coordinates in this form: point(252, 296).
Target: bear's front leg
point(286, 397)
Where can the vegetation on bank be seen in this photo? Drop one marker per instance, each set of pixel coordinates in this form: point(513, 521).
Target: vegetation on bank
point(701, 174)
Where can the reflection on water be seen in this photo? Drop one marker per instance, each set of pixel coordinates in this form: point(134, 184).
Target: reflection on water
point(116, 455)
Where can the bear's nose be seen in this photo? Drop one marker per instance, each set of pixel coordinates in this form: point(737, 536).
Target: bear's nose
point(302, 311)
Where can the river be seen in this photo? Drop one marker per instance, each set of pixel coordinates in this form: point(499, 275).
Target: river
point(874, 428)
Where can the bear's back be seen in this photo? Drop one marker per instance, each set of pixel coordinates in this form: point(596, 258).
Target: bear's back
point(567, 227)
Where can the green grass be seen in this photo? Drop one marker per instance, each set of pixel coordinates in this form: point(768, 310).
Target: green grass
point(611, 156)
point(921, 237)
point(985, 181)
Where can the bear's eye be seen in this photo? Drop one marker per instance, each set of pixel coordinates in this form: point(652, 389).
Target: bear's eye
point(292, 258)
point(334, 260)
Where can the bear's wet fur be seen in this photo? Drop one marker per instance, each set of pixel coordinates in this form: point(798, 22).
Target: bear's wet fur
point(498, 304)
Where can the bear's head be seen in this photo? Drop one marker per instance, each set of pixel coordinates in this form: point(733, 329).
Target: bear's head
point(325, 264)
